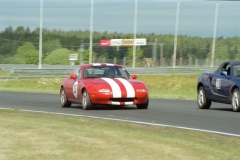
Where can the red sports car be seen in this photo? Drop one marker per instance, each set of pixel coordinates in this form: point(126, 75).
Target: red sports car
point(103, 84)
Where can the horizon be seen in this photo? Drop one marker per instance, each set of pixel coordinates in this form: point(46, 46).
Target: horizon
point(196, 18)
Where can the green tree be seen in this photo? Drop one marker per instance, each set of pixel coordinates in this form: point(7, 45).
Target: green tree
point(21, 57)
point(31, 57)
point(8, 48)
point(139, 56)
point(196, 47)
point(49, 46)
point(58, 56)
point(86, 55)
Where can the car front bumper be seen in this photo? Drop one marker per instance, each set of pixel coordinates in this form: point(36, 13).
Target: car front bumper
point(107, 98)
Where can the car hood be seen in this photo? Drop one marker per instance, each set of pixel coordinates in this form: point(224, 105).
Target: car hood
point(101, 82)
point(120, 87)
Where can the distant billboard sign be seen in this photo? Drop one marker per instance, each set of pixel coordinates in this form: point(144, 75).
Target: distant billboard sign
point(104, 42)
point(140, 41)
point(127, 42)
point(123, 42)
point(116, 42)
point(73, 57)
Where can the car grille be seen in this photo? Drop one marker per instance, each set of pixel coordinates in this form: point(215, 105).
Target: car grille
point(122, 99)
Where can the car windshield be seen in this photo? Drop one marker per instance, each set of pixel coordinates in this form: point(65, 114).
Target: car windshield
point(106, 71)
point(236, 70)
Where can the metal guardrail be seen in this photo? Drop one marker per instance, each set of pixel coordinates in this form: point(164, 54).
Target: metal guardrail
point(67, 69)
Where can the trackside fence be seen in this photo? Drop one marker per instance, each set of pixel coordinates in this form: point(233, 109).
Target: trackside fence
point(143, 66)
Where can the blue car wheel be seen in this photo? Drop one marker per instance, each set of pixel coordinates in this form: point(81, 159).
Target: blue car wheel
point(236, 101)
point(203, 102)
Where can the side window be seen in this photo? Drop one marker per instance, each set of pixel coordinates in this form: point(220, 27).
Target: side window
point(236, 70)
point(124, 73)
point(77, 71)
point(228, 69)
point(79, 76)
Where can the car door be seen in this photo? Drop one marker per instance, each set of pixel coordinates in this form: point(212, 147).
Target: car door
point(73, 85)
point(229, 80)
point(220, 84)
point(80, 83)
point(214, 80)
point(224, 85)
point(76, 84)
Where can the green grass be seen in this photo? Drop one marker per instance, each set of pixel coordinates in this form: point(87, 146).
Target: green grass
point(42, 85)
point(33, 136)
point(175, 86)
point(181, 86)
point(3, 73)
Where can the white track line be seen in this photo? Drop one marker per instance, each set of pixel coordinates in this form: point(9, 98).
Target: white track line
point(137, 122)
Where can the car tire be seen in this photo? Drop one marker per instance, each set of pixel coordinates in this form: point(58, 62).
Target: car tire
point(203, 102)
point(86, 102)
point(143, 106)
point(236, 100)
point(63, 99)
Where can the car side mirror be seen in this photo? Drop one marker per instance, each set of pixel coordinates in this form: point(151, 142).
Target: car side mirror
point(73, 76)
point(223, 73)
point(134, 76)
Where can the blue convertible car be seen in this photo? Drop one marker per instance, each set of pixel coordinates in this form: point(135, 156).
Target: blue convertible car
point(222, 86)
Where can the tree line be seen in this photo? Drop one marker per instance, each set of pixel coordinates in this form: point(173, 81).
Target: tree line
point(20, 46)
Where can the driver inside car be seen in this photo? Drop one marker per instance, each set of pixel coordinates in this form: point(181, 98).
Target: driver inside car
point(111, 72)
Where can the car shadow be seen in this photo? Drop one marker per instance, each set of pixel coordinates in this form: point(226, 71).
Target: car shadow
point(222, 109)
point(105, 107)
point(108, 107)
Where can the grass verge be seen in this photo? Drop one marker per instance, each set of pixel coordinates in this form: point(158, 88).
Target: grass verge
point(25, 135)
point(179, 86)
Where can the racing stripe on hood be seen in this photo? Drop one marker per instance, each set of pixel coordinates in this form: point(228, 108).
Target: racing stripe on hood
point(128, 86)
point(115, 87)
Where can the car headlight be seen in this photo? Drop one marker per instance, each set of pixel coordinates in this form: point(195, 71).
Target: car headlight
point(104, 90)
point(141, 90)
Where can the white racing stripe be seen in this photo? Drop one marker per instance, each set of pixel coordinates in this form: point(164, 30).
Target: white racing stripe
point(96, 64)
point(128, 103)
point(128, 86)
point(125, 103)
point(109, 64)
point(99, 64)
point(115, 103)
point(115, 87)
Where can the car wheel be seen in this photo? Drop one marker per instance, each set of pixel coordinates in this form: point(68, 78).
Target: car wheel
point(203, 102)
point(236, 101)
point(86, 102)
point(143, 106)
point(63, 99)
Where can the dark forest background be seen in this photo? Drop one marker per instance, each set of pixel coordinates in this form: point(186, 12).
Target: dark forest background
point(21, 46)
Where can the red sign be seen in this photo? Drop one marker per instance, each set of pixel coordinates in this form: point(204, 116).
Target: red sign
point(104, 42)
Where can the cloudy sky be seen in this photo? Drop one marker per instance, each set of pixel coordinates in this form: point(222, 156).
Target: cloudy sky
point(196, 17)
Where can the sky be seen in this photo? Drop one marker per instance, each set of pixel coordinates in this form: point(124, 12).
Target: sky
point(196, 17)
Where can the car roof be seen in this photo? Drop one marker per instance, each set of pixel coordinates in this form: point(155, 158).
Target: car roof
point(230, 62)
point(99, 64)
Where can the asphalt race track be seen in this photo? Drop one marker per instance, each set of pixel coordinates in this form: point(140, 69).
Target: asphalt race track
point(219, 118)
